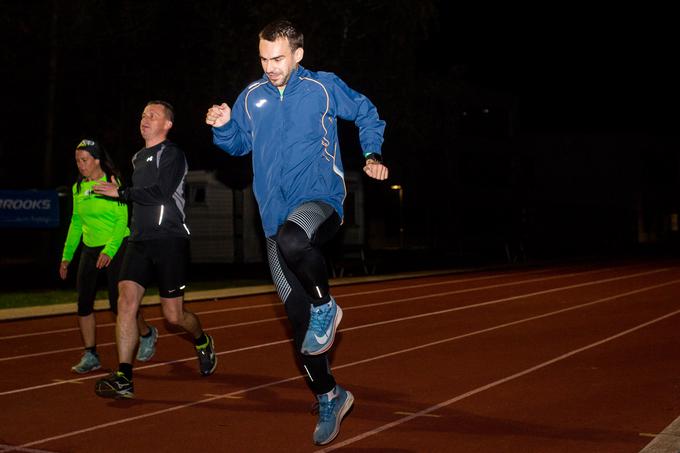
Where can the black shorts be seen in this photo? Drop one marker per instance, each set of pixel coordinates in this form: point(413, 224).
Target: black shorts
point(166, 260)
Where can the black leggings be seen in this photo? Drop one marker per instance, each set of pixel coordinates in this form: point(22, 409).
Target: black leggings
point(299, 273)
point(86, 281)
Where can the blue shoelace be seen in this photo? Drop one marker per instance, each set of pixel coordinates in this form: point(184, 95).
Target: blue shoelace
point(326, 409)
point(319, 319)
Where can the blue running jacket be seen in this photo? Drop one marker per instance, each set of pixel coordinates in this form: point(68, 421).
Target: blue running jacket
point(294, 140)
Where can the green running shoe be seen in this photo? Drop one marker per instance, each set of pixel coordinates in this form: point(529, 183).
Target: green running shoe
point(115, 385)
point(207, 360)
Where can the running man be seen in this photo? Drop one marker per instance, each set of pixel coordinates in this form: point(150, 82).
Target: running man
point(288, 119)
point(158, 247)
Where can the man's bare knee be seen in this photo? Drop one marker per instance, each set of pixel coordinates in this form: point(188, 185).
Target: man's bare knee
point(129, 297)
point(173, 311)
point(176, 319)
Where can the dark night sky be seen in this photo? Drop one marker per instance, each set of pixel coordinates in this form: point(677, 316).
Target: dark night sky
point(571, 70)
point(575, 66)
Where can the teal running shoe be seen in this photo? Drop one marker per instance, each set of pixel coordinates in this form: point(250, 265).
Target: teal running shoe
point(147, 346)
point(331, 413)
point(323, 322)
point(88, 362)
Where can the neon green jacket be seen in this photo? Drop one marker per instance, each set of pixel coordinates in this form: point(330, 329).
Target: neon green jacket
point(99, 221)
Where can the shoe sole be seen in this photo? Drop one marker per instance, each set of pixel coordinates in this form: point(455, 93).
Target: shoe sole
point(155, 339)
point(349, 402)
point(73, 369)
point(331, 340)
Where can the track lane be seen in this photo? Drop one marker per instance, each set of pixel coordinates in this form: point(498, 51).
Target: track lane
point(351, 341)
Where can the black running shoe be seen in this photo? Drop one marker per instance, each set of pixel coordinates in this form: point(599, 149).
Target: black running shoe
point(115, 385)
point(207, 360)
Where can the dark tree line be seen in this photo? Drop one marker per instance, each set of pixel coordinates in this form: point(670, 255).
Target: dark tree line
point(88, 67)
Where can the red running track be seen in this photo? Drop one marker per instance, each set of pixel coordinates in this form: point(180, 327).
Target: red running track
point(556, 359)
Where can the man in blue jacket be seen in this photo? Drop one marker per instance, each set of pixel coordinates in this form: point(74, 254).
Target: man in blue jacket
point(288, 119)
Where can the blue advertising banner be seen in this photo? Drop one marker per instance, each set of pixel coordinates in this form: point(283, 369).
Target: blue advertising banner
point(29, 209)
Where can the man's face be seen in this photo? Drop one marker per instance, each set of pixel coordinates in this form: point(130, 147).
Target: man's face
point(278, 60)
point(154, 123)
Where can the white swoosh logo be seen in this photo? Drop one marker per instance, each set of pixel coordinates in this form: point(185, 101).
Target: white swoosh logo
point(322, 339)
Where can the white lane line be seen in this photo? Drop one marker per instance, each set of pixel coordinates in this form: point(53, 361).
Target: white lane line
point(377, 323)
point(378, 304)
point(340, 296)
point(491, 302)
point(667, 441)
point(113, 324)
point(113, 343)
point(220, 396)
point(497, 383)
point(67, 381)
point(144, 367)
point(162, 411)
point(8, 448)
point(413, 413)
point(371, 359)
point(505, 299)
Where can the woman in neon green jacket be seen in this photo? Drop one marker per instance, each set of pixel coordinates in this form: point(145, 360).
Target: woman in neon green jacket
point(102, 224)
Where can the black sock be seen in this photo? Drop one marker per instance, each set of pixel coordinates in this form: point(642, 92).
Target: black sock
point(200, 341)
point(148, 334)
point(92, 349)
point(126, 369)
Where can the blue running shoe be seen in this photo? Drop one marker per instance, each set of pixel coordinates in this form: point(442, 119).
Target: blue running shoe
point(88, 362)
point(147, 346)
point(333, 406)
point(115, 385)
point(323, 323)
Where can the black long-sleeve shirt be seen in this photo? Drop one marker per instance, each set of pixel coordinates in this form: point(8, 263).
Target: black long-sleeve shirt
point(157, 193)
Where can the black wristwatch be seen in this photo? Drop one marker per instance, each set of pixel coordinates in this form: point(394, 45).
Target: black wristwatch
point(374, 156)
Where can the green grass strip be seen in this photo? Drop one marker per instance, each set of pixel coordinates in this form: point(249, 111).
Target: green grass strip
point(36, 298)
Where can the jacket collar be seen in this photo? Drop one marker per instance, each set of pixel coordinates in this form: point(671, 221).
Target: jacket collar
point(295, 77)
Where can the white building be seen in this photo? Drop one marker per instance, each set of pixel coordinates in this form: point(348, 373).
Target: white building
point(224, 223)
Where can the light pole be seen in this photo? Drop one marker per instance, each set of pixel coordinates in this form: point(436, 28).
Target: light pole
point(401, 213)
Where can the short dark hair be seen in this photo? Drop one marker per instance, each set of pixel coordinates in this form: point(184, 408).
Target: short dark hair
point(169, 109)
point(282, 28)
